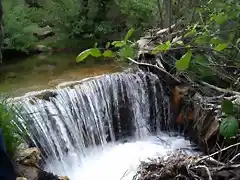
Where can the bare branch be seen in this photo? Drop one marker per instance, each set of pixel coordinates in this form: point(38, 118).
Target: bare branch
point(220, 89)
point(155, 66)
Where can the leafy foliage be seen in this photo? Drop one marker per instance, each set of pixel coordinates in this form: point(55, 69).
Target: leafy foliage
point(162, 47)
point(184, 62)
point(18, 28)
point(210, 47)
point(9, 126)
point(229, 127)
point(227, 106)
point(126, 49)
point(79, 22)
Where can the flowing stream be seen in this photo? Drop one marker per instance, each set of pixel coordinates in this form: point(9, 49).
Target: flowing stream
point(103, 127)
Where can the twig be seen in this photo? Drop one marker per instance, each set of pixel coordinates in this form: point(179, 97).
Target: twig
point(212, 160)
point(207, 170)
point(220, 89)
point(151, 65)
point(213, 154)
point(165, 30)
point(125, 173)
point(235, 157)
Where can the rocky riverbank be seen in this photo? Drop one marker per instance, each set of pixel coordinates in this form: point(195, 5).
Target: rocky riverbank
point(27, 166)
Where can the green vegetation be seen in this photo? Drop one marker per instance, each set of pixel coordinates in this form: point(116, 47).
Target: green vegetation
point(78, 23)
point(229, 125)
point(209, 44)
point(10, 129)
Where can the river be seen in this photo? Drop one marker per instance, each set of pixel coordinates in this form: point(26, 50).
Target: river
point(101, 128)
point(45, 71)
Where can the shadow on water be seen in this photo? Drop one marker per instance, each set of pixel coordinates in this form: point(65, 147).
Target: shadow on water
point(44, 71)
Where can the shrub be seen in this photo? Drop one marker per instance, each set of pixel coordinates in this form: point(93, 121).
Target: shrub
point(18, 28)
point(10, 130)
point(86, 21)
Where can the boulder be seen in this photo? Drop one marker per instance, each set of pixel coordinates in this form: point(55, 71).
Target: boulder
point(44, 32)
point(28, 172)
point(41, 48)
point(27, 166)
point(29, 157)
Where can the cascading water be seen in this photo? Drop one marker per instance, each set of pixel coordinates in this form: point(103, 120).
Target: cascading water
point(103, 127)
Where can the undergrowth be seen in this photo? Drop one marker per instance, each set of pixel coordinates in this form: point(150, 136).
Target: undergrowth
point(10, 126)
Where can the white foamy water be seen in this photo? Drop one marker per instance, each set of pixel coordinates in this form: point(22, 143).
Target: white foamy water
point(117, 161)
point(79, 128)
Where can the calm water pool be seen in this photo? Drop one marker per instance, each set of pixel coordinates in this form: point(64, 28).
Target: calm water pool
point(48, 70)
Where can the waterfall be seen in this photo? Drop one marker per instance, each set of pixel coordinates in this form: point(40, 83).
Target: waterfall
point(84, 119)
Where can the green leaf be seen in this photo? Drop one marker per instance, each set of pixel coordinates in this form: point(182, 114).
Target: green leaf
point(202, 39)
point(107, 45)
point(200, 59)
point(227, 106)
point(237, 64)
point(229, 127)
point(162, 47)
point(219, 18)
point(192, 32)
point(129, 34)
point(231, 36)
point(119, 43)
point(108, 53)
point(32, 28)
point(95, 52)
point(238, 41)
point(83, 55)
point(215, 41)
point(184, 62)
point(127, 52)
point(221, 47)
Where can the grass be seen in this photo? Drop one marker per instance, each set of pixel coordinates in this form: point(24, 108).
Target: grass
point(10, 126)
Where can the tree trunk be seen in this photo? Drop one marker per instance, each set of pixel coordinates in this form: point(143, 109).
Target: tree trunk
point(168, 14)
point(160, 9)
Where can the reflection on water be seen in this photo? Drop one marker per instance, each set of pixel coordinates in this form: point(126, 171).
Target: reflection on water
point(46, 71)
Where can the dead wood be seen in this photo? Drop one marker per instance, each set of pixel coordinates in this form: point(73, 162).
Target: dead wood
point(197, 105)
point(181, 166)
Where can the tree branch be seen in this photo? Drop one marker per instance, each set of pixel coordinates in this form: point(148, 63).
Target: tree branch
point(155, 66)
point(220, 89)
